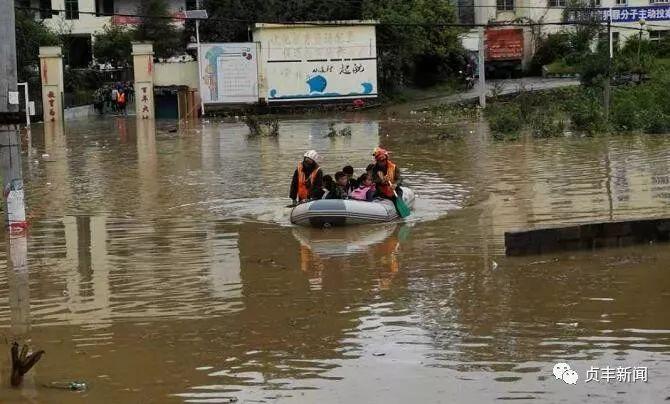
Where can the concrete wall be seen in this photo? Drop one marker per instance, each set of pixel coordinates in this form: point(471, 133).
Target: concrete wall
point(79, 112)
point(587, 236)
point(176, 74)
point(313, 62)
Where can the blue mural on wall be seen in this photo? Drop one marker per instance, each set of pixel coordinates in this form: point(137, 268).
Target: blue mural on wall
point(317, 88)
point(317, 84)
point(211, 73)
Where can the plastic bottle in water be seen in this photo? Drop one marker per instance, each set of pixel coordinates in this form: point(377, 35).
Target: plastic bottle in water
point(74, 386)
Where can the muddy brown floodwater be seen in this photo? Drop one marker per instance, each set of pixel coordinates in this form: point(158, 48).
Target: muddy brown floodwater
point(161, 268)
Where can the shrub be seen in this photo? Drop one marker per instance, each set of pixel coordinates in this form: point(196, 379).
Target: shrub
point(546, 124)
point(550, 49)
point(505, 119)
point(586, 112)
point(259, 127)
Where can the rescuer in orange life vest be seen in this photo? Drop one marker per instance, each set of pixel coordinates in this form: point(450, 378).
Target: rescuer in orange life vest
point(386, 174)
point(307, 180)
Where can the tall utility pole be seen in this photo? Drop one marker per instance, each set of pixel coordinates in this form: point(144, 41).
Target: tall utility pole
point(482, 69)
point(197, 39)
point(10, 141)
point(608, 79)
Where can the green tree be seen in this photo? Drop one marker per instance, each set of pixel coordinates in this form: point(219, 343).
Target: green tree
point(113, 45)
point(30, 35)
point(156, 27)
point(411, 43)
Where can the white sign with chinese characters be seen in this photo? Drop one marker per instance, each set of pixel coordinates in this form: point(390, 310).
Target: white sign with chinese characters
point(314, 62)
point(229, 73)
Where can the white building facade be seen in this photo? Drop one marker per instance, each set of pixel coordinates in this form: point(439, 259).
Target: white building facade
point(626, 22)
point(81, 19)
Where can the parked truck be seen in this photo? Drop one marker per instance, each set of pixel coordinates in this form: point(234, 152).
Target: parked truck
point(504, 52)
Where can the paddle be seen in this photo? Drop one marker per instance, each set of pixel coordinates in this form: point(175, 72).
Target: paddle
point(400, 205)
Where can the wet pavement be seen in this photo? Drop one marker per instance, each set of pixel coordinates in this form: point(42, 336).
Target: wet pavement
point(160, 267)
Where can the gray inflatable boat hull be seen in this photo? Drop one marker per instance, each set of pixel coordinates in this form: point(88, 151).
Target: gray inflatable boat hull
point(345, 212)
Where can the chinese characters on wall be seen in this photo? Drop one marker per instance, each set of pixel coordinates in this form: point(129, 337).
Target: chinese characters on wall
point(51, 100)
point(145, 112)
point(344, 68)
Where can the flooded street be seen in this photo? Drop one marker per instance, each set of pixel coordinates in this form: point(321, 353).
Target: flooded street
point(162, 268)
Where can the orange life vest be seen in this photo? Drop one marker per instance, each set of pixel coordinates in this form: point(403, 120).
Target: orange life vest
point(305, 184)
point(121, 98)
point(385, 189)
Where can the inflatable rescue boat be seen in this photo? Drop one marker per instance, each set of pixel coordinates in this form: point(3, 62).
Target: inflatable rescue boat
point(345, 212)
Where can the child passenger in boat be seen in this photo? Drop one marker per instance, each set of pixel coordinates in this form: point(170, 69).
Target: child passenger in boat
point(365, 190)
point(328, 185)
point(339, 189)
point(352, 183)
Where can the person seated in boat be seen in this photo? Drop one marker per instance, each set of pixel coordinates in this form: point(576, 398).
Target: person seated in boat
point(339, 190)
point(352, 183)
point(386, 175)
point(328, 185)
point(307, 182)
point(365, 190)
point(368, 171)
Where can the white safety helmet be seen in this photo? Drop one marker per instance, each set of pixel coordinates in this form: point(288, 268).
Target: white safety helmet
point(312, 155)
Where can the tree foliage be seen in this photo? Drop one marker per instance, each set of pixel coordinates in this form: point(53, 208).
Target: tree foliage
point(30, 35)
point(113, 45)
point(155, 27)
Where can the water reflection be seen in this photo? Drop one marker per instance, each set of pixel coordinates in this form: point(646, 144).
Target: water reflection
point(160, 263)
point(87, 274)
point(344, 241)
point(18, 283)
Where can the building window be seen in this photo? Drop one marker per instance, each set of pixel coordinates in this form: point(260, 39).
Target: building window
point(71, 9)
point(104, 8)
point(505, 5)
point(621, 2)
point(657, 36)
point(658, 1)
point(191, 5)
point(557, 3)
point(45, 9)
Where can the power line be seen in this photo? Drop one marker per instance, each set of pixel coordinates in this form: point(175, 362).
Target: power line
point(513, 23)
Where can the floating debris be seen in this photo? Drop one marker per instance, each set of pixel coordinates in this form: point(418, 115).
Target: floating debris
point(72, 386)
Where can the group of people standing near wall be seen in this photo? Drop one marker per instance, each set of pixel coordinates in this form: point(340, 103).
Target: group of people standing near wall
point(114, 98)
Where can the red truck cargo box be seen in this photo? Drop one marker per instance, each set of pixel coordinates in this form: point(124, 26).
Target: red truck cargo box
point(504, 44)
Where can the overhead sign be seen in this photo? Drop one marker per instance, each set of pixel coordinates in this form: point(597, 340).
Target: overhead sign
point(623, 14)
point(229, 73)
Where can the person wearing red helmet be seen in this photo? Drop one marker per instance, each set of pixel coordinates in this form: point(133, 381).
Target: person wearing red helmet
point(307, 180)
point(386, 174)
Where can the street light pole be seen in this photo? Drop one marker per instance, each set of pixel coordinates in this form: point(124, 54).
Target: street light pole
point(482, 69)
point(197, 40)
point(639, 41)
point(608, 79)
